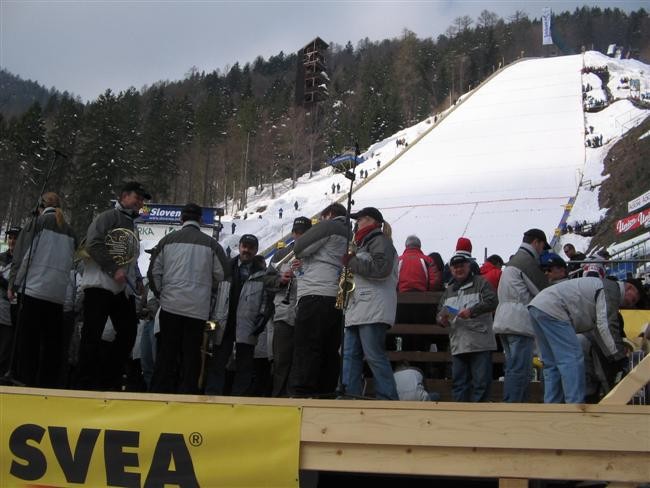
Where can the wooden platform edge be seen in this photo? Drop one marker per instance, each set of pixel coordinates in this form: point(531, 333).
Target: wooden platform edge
point(636, 379)
point(494, 440)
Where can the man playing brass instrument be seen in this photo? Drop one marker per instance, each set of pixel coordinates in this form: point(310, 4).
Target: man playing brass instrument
point(315, 368)
point(106, 294)
point(282, 279)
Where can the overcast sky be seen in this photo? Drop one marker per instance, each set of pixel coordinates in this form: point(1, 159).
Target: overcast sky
point(86, 47)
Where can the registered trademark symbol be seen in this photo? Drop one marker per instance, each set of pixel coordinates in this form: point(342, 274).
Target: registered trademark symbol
point(196, 439)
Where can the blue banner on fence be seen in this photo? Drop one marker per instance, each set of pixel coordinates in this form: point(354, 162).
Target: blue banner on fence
point(345, 158)
point(171, 214)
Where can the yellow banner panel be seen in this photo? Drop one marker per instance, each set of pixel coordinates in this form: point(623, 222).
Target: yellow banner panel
point(634, 320)
point(63, 441)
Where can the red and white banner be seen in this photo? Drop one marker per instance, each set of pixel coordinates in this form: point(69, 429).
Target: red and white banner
point(641, 219)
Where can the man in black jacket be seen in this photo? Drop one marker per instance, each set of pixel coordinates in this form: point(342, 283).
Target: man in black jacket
point(317, 333)
point(575, 260)
point(109, 291)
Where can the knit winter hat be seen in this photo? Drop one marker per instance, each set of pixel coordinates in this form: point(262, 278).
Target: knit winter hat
point(464, 247)
point(463, 251)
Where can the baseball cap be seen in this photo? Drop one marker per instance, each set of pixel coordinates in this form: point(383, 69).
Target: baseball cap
point(550, 259)
point(249, 239)
point(459, 258)
point(538, 234)
point(137, 187)
point(13, 231)
point(371, 212)
point(301, 224)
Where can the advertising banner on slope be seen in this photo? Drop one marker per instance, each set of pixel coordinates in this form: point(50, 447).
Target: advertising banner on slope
point(641, 219)
point(64, 441)
point(639, 202)
point(171, 214)
point(547, 39)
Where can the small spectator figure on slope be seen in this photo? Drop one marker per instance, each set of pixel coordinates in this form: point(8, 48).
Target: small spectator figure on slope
point(378, 163)
point(280, 212)
point(333, 188)
point(295, 205)
point(338, 187)
point(233, 226)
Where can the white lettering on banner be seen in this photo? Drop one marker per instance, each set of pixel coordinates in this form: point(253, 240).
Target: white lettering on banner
point(161, 212)
point(639, 202)
point(633, 221)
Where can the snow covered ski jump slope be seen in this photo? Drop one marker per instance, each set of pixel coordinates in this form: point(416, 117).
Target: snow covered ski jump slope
point(506, 160)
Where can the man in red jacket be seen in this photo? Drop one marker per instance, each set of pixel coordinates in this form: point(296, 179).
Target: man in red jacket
point(416, 269)
point(491, 270)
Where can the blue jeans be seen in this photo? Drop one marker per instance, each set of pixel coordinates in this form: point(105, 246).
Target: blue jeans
point(368, 340)
point(147, 352)
point(564, 366)
point(518, 350)
point(471, 374)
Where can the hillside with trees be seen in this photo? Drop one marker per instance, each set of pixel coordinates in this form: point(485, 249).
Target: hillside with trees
point(213, 134)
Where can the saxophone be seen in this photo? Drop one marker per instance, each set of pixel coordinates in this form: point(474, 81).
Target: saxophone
point(346, 287)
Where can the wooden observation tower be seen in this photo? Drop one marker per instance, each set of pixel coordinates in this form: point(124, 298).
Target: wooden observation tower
point(311, 77)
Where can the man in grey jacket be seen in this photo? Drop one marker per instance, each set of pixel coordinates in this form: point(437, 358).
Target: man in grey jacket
point(185, 271)
point(575, 306)
point(242, 311)
point(466, 306)
point(371, 309)
point(521, 280)
point(106, 294)
point(317, 334)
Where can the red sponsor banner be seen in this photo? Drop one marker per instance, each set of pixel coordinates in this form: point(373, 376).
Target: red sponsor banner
point(633, 222)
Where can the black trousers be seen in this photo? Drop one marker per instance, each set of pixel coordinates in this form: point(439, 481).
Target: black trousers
point(317, 338)
point(178, 357)
point(242, 384)
point(6, 343)
point(40, 341)
point(98, 370)
point(282, 357)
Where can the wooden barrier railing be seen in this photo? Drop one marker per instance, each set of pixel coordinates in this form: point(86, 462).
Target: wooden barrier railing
point(510, 442)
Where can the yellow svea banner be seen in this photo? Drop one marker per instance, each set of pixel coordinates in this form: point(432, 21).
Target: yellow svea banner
point(54, 441)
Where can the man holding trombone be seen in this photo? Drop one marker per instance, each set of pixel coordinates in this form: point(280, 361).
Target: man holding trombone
point(185, 271)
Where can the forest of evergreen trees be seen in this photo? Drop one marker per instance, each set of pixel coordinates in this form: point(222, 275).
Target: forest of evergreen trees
point(209, 136)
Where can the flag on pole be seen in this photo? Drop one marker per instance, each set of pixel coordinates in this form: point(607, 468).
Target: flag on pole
point(546, 27)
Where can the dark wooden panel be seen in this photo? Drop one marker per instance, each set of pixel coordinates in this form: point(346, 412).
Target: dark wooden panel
point(432, 357)
point(418, 329)
point(419, 297)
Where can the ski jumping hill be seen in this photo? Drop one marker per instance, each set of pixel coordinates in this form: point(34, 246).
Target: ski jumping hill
point(505, 160)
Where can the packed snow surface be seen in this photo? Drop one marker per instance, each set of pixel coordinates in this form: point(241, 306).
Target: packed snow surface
point(505, 159)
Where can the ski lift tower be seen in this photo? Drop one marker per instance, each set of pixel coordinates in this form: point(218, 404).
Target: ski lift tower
point(311, 77)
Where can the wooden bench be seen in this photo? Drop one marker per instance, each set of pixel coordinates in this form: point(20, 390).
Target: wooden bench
point(436, 365)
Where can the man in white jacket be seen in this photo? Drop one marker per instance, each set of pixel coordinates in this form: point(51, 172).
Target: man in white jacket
point(574, 306)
